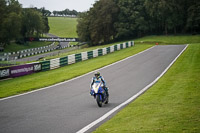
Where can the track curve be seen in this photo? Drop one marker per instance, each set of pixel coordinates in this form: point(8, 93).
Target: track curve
point(67, 107)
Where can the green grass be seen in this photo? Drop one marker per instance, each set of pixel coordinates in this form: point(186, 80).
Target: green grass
point(42, 79)
point(179, 39)
point(13, 47)
point(171, 105)
point(63, 26)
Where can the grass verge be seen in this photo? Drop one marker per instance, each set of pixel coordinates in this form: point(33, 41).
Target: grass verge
point(43, 79)
point(171, 105)
point(63, 26)
point(171, 39)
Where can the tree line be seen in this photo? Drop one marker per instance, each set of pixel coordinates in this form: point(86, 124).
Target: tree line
point(18, 23)
point(66, 12)
point(110, 20)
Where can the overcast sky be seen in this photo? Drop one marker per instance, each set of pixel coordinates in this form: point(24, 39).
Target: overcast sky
point(59, 5)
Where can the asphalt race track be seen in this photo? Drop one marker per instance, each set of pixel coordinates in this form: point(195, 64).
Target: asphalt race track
point(68, 107)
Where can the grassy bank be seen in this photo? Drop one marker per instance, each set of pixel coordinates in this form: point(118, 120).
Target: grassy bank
point(63, 26)
point(179, 39)
point(42, 79)
point(171, 105)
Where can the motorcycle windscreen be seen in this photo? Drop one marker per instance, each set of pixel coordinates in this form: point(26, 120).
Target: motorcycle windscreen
point(96, 87)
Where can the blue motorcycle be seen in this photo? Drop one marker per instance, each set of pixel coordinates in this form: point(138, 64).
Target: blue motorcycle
point(99, 94)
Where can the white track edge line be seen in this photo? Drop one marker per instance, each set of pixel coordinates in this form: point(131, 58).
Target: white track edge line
point(75, 77)
point(86, 128)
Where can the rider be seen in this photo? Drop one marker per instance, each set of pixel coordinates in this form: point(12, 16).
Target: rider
point(98, 78)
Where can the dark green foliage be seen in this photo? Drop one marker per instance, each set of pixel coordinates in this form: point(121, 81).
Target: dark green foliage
point(10, 21)
point(17, 23)
point(193, 20)
point(83, 27)
point(122, 19)
point(97, 25)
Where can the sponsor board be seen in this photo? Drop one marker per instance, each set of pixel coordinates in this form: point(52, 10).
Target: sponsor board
point(17, 71)
point(52, 39)
point(21, 70)
point(37, 67)
point(4, 73)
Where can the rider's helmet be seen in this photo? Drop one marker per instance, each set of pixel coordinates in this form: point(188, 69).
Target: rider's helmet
point(97, 74)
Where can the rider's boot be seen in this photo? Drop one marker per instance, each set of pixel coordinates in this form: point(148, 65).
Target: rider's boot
point(106, 89)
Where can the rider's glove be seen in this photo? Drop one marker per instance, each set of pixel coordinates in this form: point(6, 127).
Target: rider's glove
point(91, 92)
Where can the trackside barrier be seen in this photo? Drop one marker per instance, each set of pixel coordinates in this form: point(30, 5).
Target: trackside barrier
point(21, 70)
point(54, 63)
point(64, 61)
point(100, 52)
point(78, 57)
point(28, 52)
point(45, 65)
point(90, 54)
point(71, 59)
point(95, 53)
point(84, 56)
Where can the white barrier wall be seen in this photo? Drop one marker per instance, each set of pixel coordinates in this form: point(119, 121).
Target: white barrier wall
point(112, 48)
point(95, 53)
point(124, 45)
point(104, 51)
point(84, 55)
point(55, 63)
point(118, 46)
point(71, 59)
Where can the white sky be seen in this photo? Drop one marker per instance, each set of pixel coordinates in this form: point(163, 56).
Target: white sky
point(59, 5)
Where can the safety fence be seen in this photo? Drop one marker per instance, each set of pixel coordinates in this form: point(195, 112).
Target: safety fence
point(29, 52)
point(17, 71)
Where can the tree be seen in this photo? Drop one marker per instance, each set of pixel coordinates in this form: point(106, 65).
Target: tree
point(99, 23)
point(44, 11)
point(3, 8)
point(12, 26)
point(17, 23)
point(10, 21)
point(33, 23)
point(193, 20)
point(83, 27)
point(131, 19)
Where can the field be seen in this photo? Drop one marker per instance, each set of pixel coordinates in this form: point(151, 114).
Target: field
point(63, 26)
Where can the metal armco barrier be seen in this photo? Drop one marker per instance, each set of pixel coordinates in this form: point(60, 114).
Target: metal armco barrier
point(22, 70)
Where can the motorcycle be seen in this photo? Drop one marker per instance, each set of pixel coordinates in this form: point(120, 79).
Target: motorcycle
point(99, 94)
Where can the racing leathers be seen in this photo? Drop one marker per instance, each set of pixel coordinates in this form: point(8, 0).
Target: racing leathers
point(98, 80)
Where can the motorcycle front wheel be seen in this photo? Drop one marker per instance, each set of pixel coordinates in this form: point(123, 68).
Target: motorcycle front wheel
point(99, 100)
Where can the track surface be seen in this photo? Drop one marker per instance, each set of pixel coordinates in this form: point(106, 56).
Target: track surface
point(67, 108)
